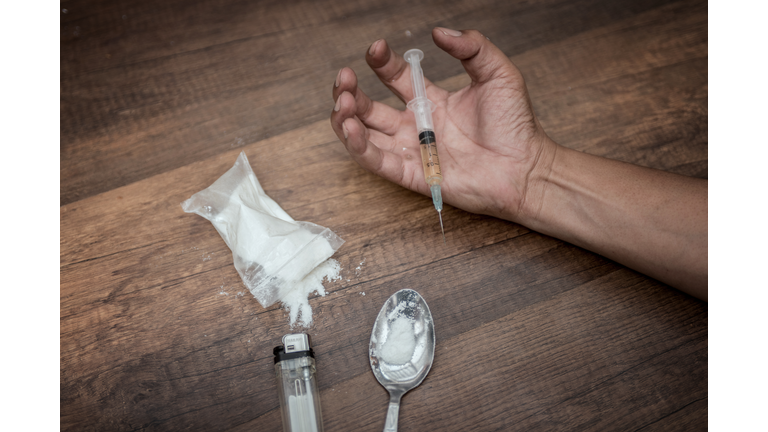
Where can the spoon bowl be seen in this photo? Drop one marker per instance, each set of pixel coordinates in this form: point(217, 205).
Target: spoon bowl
point(402, 347)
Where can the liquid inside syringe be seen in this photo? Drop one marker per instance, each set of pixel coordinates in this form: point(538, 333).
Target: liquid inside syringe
point(422, 110)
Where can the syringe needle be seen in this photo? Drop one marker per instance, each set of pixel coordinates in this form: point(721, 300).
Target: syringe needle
point(440, 214)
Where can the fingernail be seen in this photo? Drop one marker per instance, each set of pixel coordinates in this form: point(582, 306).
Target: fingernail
point(346, 132)
point(338, 77)
point(372, 49)
point(338, 104)
point(450, 32)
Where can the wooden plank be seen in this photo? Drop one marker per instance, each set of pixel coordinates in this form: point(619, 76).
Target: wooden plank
point(157, 330)
point(148, 110)
point(689, 417)
point(213, 366)
point(127, 320)
point(498, 376)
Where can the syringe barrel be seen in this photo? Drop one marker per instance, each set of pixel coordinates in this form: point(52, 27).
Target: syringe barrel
point(421, 106)
point(429, 159)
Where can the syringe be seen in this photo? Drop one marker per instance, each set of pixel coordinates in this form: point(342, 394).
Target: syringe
point(422, 109)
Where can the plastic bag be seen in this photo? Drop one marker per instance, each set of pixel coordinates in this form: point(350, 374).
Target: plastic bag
point(271, 251)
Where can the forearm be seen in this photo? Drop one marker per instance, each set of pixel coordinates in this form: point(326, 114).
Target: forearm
point(651, 221)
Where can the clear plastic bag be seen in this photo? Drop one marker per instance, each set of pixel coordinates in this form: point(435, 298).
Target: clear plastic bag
point(271, 251)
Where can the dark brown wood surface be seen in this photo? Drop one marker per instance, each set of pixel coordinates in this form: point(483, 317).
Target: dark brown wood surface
point(159, 333)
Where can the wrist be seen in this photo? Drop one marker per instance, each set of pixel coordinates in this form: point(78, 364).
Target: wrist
point(529, 209)
point(567, 197)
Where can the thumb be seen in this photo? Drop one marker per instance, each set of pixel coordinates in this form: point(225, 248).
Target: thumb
point(482, 59)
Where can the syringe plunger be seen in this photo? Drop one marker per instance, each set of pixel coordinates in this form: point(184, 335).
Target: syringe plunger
point(421, 106)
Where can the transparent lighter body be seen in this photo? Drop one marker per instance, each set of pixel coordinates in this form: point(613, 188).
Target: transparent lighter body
point(299, 395)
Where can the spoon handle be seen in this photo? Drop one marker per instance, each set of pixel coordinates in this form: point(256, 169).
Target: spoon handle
point(390, 424)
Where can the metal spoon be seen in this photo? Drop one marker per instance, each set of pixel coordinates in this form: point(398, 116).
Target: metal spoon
point(399, 378)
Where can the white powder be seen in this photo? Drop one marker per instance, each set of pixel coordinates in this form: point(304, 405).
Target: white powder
point(278, 258)
point(296, 300)
point(400, 343)
point(360, 266)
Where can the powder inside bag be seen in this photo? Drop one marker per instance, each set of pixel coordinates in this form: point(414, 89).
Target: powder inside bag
point(278, 258)
point(258, 238)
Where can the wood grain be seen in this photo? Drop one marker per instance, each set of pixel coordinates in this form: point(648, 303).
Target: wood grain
point(157, 332)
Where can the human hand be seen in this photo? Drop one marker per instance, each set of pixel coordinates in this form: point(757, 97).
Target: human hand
point(494, 154)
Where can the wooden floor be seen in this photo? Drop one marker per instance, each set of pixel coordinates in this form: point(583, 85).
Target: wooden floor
point(159, 97)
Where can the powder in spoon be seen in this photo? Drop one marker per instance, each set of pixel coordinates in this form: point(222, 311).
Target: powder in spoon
point(400, 343)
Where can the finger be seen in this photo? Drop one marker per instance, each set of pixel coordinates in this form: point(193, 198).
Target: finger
point(345, 109)
point(346, 80)
point(482, 60)
point(394, 71)
point(373, 114)
point(384, 141)
point(342, 110)
point(368, 155)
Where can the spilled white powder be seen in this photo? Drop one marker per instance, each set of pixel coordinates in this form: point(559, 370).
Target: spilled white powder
point(400, 343)
point(296, 300)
